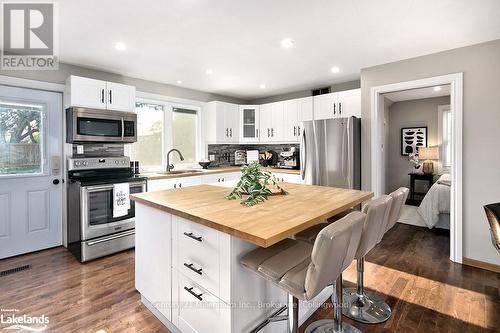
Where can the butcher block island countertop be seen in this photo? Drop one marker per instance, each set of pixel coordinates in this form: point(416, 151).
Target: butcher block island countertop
point(264, 224)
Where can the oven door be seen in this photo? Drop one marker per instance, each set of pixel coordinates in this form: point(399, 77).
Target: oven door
point(89, 125)
point(96, 208)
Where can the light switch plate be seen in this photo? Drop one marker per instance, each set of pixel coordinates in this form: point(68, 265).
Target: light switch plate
point(211, 157)
point(79, 149)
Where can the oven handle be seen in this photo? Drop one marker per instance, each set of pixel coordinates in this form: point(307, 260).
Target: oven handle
point(95, 188)
point(112, 237)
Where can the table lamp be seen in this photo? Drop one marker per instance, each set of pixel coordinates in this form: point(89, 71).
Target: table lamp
point(427, 154)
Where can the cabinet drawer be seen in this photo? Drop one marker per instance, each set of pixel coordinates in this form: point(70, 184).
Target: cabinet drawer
point(197, 310)
point(198, 254)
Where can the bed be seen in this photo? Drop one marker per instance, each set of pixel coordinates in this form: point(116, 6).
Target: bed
point(435, 207)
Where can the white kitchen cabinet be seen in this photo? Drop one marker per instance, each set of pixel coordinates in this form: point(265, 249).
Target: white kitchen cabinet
point(338, 104)
point(97, 94)
point(220, 177)
point(291, 120)
point(85, 92)
point(272, 122)
point(120, 97)
point(249, 123)
point(221, 122)
point(349, 103)
point(305, 109)
point(153, 237)
point(287, 177)
point(173, 183)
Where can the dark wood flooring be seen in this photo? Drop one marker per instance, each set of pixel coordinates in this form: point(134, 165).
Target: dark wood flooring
point(409, 268)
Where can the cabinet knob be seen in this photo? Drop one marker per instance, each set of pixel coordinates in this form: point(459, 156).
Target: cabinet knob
point(334, 108)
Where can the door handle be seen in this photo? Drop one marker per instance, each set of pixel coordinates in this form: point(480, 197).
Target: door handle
point(231, 132)
point(272, 132)
point(192, 236)
point(298, 130)
point(55, 182)
point(340, 108)
point(294, 131)
point(227, 132)
point(110, 97)
point(334, 108)
point(196, 270)
point(102, 95)
point(268, 132)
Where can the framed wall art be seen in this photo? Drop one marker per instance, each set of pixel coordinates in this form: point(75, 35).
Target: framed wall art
point(412, 138)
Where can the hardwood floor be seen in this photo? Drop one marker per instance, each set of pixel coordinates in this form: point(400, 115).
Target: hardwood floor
point(409, 268)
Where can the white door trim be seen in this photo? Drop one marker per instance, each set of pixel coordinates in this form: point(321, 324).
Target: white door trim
point(456, 102)
point(32, 84)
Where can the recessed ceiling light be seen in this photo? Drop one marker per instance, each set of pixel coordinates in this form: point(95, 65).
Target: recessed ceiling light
point(287, 43)
point(335, 69)
point(120, 46)
point(438, 88)
point(262, 86)
point(179, 82)
point(209, 71)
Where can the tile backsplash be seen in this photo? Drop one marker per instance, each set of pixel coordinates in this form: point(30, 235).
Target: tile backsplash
point(99, 150)
point(222, 150)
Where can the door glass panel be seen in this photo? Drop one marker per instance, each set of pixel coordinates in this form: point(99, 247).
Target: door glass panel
point(248, 116)
point(249, 131)
point(100, 206)
point(184, 135)
point(21, 138)
point(99, 127)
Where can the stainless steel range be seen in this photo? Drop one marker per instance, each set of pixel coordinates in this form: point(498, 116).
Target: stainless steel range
point(92, 230)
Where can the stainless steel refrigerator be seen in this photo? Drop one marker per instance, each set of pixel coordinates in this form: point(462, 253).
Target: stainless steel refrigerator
point(330, 152)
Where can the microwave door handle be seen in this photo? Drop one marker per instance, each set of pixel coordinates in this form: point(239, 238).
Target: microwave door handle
point(123, 128)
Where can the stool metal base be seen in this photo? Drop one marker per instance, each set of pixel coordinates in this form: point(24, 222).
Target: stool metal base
point(326, 326)
point(366, 308)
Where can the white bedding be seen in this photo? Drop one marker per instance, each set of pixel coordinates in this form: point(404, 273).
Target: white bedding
point(436, 201)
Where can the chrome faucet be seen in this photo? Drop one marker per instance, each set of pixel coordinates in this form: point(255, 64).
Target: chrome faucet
point(171, 166)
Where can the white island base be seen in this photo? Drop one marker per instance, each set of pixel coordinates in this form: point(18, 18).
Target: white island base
point(190, 277)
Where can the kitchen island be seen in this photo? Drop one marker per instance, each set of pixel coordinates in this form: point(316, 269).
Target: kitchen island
point(189, 242)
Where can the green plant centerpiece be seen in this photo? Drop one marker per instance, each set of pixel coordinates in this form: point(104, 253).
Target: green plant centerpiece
point(254, 186)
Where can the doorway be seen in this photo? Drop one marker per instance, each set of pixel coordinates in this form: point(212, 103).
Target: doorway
point(455, 81)
point(31, 188)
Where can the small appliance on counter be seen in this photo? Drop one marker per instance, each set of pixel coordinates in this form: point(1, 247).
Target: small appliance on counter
point(252, 156)
point(269, 158)
point(290, 158)
point(240, 157)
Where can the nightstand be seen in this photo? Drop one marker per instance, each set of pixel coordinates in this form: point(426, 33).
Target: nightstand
point(415, 198)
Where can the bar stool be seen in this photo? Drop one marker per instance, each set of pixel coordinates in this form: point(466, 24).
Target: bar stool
point(493, 215)
point(398, 200)
point(303, 270)
point(361, 306)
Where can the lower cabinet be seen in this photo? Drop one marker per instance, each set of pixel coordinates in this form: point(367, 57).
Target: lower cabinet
point(172, 183)
point(220, 177)
point(287, 177)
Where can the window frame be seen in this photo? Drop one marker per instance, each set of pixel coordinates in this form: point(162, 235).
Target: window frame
point(168, 107)
point(442, 109)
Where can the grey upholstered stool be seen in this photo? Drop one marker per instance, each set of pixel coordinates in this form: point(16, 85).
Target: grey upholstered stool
point(363, 307)
point(493, 215)
point(398, 200)
point(304, 270)
point(309, 235)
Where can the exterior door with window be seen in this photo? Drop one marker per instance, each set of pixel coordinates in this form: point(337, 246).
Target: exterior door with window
point(30, 170)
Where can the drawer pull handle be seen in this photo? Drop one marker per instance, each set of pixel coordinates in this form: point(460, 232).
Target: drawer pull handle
point(190, 290)
point(191, 267)
point(190, 235)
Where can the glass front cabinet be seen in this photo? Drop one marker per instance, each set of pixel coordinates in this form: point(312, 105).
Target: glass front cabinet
point(249, 131)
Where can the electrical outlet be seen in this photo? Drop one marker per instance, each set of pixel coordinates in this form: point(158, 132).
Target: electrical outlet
point(211, 157)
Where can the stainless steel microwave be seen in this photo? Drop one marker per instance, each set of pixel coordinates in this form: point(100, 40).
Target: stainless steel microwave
point(93, 125)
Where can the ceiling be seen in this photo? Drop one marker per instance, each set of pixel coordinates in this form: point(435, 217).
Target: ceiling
point(172, 40)
point(427, 92)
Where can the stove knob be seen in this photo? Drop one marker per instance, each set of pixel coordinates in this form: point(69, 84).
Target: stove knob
point(116, 162)
point(123, 162)
point(77, 163)
point(85, 163)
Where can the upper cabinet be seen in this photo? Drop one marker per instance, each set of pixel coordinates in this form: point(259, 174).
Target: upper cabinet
point(249, 120)
point(296, 111)
point(338, 104)
point(222, 122)
point(97, 94)
point(271, 122)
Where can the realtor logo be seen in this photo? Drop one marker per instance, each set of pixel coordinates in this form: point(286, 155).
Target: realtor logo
point(29, 36)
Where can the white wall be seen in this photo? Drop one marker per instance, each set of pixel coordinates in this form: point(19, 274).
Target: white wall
point(481, 135)
point(419, 112)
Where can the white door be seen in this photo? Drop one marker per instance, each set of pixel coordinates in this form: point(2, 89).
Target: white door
point(232, 121)
point(305, 106)
point(349, 103)
point(120, 97)
point(325, 106)
point(249, 120)
point(87, 92)
point(30, 170)
point(266, 122)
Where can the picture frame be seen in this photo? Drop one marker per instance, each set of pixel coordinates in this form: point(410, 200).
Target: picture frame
point(413, 138)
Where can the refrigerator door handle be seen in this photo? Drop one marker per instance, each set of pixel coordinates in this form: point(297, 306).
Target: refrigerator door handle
point(303, 155)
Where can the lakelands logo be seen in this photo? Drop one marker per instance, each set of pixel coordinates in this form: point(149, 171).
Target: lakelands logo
point(24, 322)
point(29, 36)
